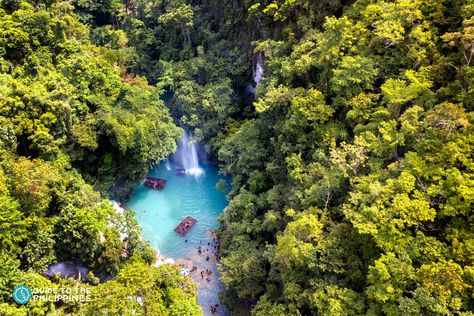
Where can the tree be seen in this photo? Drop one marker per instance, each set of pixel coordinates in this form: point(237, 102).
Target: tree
point(80, 231)
point(179, 16)
point(12, 227)
point(354, 75)
point(145, 289)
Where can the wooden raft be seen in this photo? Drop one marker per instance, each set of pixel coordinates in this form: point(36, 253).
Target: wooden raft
point(155, 183)
point(185, 225)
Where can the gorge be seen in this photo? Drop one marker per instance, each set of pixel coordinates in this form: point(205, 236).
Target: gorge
point(327, 145)
point(193, 194)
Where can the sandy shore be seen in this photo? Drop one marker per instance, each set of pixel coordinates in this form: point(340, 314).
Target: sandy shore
point(209, 285)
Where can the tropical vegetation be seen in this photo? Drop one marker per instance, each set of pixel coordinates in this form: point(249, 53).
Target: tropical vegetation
point(351, 161)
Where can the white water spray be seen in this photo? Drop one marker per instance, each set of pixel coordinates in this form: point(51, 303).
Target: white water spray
point(187, 155)
point(258, 74)
point(67, 270)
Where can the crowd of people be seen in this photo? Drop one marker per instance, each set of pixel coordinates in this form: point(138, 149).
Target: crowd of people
point(207, 250)
point(211, 249)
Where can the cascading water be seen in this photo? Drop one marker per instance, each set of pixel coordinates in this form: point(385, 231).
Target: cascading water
point(159, 212)
point(187, 155)
point(67, 270)
point(258, 75)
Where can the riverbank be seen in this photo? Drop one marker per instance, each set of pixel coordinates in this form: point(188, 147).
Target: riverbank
point(202, 267)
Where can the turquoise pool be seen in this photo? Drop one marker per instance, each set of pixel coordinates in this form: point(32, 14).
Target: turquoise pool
point(158, 213)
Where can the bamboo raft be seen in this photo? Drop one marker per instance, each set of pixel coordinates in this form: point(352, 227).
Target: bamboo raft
point(185, 225)
point(155, 183)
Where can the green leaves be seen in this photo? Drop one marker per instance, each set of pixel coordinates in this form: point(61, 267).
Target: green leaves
point(361, 142)
point(335, 300)
point(354, 75)
point(145, 289)
point(462, 40)
point(294, 248)
point(386, 209)
point(352, 171)
point(9, 275)
point(312, 106)
point(398, 92)
point(179, 16)
point(389, 278)
point(39, 251)
point(80, 231)
point(80, 101)
point(243, 270)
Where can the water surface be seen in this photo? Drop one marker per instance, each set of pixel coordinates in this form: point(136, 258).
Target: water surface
point(158, 213)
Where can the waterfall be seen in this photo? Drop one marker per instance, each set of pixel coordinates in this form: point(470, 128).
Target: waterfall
point(187, 155)
point(67, 270)
point(167, 164)
point(258, 73)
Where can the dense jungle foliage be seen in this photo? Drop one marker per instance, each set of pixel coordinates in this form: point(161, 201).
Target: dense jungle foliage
point(352, 164)
point(74, 123)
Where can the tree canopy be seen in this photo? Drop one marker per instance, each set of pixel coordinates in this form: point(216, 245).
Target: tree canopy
point(351, 161)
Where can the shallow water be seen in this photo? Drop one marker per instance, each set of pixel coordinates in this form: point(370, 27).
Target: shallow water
point(158, 213)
